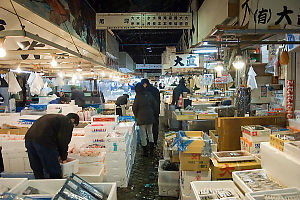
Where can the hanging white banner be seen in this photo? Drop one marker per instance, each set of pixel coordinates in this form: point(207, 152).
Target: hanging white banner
point(143, 20)
point(184, 60)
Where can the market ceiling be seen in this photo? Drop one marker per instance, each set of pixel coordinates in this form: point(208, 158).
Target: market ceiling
point(144, 45)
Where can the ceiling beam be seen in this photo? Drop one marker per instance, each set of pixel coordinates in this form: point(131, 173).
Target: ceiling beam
point(150, 44)
point(35, 51)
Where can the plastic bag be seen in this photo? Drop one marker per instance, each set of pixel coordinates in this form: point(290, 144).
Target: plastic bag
point(36, 85)
point(270, 67)
point(251, 82)
point(13, 85)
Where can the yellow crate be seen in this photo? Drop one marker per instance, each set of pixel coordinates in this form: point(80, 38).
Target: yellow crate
point(186, 117)
point(207, 116)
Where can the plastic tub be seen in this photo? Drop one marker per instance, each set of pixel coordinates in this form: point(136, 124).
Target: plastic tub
point(167, 177)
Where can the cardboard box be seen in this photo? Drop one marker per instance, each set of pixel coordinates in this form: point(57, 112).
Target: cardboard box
point(223, 171)
point(213, 134)
point(186, 177)
point(195, 143)
point(194, 162)
point(278, 140)
point(174, 158)
point(14, 131)
point(254, 131)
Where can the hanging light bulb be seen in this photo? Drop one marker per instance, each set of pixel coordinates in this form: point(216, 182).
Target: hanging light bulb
point(18, 70)
point(60, 74)
point(239, 62)
point(2, 50)
point(219, 67)
point(53, 62)
point(92, 72)
point(79, 69)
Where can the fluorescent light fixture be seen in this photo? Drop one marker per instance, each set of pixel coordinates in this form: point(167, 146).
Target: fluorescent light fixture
point(53, 63)
point(20, 71)
point(205, 43)
point(20, 45)
point(60, 74)
point(201, 51)
point(110, 76)
point(239, 62)
point(2, 52)
point(79, 69)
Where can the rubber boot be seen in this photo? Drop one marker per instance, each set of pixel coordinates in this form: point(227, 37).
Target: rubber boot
point(145, 151)
point(151, 148)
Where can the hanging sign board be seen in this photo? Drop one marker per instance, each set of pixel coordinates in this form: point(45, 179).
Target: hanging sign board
point(148, 66)
point(293, 38)
point(184, 60)
point(262, 14)
point(144, 20)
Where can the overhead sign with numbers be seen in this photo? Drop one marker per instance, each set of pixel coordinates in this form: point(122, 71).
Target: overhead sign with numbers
point(144, 21)
point(184, 60)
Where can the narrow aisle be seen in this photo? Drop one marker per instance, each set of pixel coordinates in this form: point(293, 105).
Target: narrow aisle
point(143, 179)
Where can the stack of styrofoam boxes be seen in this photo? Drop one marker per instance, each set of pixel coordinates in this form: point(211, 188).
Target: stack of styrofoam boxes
point(186, 177)
point(27, 120)
point(15, 157)
point(9, 118)
point(62, 109)
point(118, 158)
point(253, 136)
point(168, 181)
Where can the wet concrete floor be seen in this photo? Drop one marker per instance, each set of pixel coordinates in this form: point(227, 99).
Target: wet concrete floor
point(144, 175)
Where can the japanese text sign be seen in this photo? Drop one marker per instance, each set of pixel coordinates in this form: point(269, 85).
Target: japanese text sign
point(144, 20)
point(262, 14)
point(184, 60)
point(289, 99)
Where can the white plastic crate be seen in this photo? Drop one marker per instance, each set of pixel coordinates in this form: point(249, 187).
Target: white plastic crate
point(16, 161)
point(241, 184)
point(47, 187)
point(166, 177)
point(280, 166)
point(292, 149)
point(197, 186)
point(11, 183)
point(168, 190)
point(69, 168)
point(92, 175)
point(261, 195)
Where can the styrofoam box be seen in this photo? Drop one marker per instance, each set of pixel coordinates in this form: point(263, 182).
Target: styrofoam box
point(166, 177)
point(241, 184)
point(69, 168)
point(168, 189)
point(91, 175)
point(292, 150)
point(105, 118)
point(255, 139)
point(11, 183)
point(78, 141)
point(121, 181)
point(110, 189)
point(198, 185)
point(16, 161)
point(185, 197)
point(122, 163)
point(186, 177)
point(8, 145)
point(261, 195)
point(47, 187)
point(96, 128)
point(117, 155)
point(78, 132)
point(119, 172)
point(283, 168)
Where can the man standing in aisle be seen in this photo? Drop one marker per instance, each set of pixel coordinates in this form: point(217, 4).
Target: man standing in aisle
point(179, 90)
point(78, 96)
point(155, 93)
point(47, 143)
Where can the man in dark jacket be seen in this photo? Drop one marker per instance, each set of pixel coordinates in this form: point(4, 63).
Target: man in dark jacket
point(47, 143)
point(179, 90)
point(144, 110)
point(155, 93)
point(78, 96)
point(122, 100)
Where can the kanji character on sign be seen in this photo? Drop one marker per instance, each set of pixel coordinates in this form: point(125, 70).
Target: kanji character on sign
point(126, 21)
point(284, 14)
point(178, 61)
point(264, 16)
point(247, 9)
point(226, 170)
point(101, 21)
point(191, 61)
point(2, 24)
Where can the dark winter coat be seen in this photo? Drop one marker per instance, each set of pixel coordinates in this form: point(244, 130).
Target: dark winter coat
point(53, 131)
point(122, 100)
point(144, 108)
point(155, 93)
point(78, 96)
point(180, 89)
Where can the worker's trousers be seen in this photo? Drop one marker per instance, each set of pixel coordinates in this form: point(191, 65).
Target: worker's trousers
point(43, 161)
point(146, 130)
